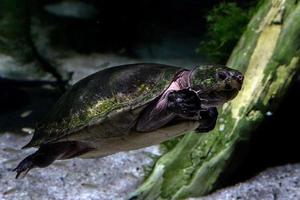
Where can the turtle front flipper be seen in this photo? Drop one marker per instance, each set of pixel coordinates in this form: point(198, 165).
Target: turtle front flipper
point(184, 103)
point(208, 120)
point(48, 153)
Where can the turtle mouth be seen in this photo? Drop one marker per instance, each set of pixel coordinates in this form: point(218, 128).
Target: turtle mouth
point(235, 85)
point(216, 98)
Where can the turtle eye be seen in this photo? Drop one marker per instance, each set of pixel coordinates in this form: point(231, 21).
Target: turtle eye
point(222, 76)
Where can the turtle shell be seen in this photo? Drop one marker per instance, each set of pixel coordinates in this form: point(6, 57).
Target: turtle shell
point(99, 96)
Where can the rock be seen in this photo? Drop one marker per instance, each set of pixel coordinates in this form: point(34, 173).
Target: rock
point(280, 183)
point(11, 69)
point(75, 9)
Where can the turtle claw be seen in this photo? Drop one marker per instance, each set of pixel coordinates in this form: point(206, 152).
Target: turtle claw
point(24, 167)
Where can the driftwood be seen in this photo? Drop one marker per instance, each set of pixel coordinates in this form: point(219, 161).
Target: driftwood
point(268, 54)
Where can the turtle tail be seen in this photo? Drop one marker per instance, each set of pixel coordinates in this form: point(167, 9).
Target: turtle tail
point(28, 145)
point(34, 142)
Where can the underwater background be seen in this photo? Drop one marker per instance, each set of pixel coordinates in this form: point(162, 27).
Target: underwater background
point(46, 46)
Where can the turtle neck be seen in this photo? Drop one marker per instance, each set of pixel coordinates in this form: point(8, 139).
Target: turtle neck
point(183, 79)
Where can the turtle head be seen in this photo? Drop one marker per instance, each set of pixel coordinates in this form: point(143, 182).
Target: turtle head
point(215, 84)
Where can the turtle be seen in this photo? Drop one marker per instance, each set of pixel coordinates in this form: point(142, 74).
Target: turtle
point(128, 107)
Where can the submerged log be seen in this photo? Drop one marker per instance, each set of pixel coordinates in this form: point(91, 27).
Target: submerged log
point(268, 54)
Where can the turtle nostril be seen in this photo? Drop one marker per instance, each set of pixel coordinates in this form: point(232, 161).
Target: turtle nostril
point(239, 77)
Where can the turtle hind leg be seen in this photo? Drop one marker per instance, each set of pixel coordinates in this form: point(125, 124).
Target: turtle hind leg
point(48, 153)
point(41, 158)
point(24, 166)
point(37, 159)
